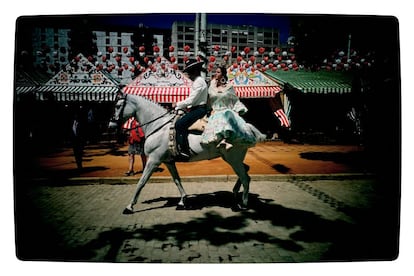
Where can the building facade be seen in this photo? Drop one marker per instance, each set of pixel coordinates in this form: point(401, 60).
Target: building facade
point(228, 37)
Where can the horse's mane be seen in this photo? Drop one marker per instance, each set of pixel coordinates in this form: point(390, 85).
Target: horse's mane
point(150, 102)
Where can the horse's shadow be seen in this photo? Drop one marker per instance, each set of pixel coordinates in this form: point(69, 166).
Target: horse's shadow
point(222, 199)
point(311, 226)
point(350, 241)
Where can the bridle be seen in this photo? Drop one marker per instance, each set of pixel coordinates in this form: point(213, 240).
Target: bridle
point(121, 113)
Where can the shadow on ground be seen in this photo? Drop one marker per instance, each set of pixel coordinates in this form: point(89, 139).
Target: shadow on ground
point(355, 159)
point(369, 238)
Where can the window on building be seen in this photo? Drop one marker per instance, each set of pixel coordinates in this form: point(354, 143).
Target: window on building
point(215, 39)
point(189, 29)
point(215, 31)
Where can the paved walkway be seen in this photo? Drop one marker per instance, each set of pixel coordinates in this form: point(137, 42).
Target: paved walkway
point(288, 221)
point(307, 204)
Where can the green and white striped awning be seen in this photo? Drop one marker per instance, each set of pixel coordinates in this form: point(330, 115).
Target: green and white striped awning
point(314, 82)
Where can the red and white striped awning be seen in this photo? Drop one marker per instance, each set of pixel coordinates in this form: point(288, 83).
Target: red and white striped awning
point(160, 94)
point(257, 91)
point(164, 94)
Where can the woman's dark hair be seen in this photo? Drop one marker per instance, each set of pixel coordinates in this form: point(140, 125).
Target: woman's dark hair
point(223, 71)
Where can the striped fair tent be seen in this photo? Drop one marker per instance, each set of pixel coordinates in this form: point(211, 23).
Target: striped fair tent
point(250, 83)
point(24, 84)
point(320, 82)
point(162, 82)
point(79, 81)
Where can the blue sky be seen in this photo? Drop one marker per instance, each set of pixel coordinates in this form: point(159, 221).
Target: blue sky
point(165, 20)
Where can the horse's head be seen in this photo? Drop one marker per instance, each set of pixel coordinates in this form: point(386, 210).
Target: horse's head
point(118, 117)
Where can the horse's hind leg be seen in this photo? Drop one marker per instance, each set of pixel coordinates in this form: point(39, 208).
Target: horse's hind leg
point(236, 162)
point(238, 184)
point(148, 170)
point(176, 178)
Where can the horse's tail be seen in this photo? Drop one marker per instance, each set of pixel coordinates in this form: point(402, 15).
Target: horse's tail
point(260, 137)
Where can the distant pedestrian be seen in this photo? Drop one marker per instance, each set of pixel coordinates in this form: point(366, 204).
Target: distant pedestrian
point(77, 138)
point(136, 140)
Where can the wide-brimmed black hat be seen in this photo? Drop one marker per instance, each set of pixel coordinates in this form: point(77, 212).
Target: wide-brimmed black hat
point(193, 65)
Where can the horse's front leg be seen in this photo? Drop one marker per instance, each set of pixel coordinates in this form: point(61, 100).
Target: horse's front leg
point(176, 178)
point(146, 174)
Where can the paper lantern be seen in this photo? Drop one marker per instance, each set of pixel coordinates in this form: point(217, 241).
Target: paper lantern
point(171, 48)
point(277, 50)
point(110, 49)
point(261, 50)
point(131, 59)
point(125, 49)
point(212, 58)
point(216, 48)
point(156, 49)
point(233, 49)
point(141, 49)
point(246, 50)
point(172, 59)
point(187, 48)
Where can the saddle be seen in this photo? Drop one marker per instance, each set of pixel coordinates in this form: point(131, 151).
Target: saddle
point(196, 128)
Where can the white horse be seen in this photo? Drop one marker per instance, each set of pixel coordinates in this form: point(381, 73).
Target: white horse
point(155, 122)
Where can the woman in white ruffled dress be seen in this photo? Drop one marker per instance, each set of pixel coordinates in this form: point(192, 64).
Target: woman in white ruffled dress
point(225, 126)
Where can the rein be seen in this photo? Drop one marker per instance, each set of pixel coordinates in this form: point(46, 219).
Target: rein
point(149, 122)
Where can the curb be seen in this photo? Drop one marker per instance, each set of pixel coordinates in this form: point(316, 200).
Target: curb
point(203, 178)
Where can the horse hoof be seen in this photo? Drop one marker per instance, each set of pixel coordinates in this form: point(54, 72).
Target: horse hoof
point(180, 207)
point(239, 208)
point(127, 211)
